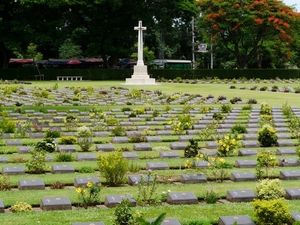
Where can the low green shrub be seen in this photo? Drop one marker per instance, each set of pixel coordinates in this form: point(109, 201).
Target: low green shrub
point(47, 145)
point(57, 185)
point(86, 169)
point(211, 196)
point(52, 133)
point(64, 157)
point(267, 136)
point(68, 140)
point(37, 162)
point(21, 207)
point(271, 211)
point(270, 189)
point(5, 184)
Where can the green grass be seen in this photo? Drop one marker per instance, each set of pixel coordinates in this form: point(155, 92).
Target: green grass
point(208, 214)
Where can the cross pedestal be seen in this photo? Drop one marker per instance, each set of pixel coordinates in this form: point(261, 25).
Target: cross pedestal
point(140, 74)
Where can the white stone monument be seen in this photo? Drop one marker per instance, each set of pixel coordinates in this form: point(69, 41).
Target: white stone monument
point(140, 74)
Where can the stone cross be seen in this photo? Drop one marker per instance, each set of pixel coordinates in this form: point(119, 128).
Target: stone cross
point(140, 29)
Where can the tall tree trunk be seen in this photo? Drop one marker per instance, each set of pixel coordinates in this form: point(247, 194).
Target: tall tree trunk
point(4, 56)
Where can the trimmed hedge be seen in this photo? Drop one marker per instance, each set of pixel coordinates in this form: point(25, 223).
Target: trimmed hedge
point(122, 74)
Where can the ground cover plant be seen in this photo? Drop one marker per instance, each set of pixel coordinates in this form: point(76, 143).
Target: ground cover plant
point(167, 180)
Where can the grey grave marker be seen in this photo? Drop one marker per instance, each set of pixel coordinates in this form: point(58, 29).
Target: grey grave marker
point(119, 140)
point(245, 163)
point(247, 152)
point(62, 169)
point(169, 155)
point(211, 145)
point(153, 139)
point(105, 147)
point(201, 164)
point(288, 162)
point(130, 155)
point(55, 203)
point(192, 178)
point(85, 157)
point(3, 159)
point(242, 176)
point(185, 138)
point(178, 198)
point(13, 170)
point(286, 151)
point(240, 220)
point(292, 193)
point(66, 148)
point(295, 217)
point(240, 196)
point(82, 181)
point(209, 152)
point(282, 143)
point(157, 166)
point(142, 147)
point(178, 145)
point(250, 144)
point(163, 132)
point(13, 143)
point(35, 184)
point(289, 174)
point(2, 210)
point(114, 200)
point(24, 149)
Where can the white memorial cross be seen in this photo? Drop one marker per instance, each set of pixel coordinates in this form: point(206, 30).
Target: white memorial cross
point(140, 29)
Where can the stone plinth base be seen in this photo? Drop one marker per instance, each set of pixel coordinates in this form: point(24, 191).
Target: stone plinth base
point(140, 77)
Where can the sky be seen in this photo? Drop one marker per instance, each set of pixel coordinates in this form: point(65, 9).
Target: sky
point(293, 2)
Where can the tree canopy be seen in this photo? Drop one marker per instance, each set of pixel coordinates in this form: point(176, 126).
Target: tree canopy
point(247, 28)
point(103, 28)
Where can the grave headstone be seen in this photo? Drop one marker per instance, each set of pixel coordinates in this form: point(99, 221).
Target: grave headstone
point(24, 149)
point(285, 143)
point(114, 200)
point(286, 151)
point(209, 152)
point(240, 196)
point(13, 143)
point(153, 139)
point(85, 157)
point(201, 164)
point(211, 144)
point(169, 155)
point(13, 170)
point(3, 159)
point(178, 145)
point(185, 138)
point(66, 148)
point(295, 217)
point(163, 132)
point(33, 184)
point(192, 178)
point(239, 220)
point(289, 174)
point(179, 198)
point(62, 169)
point(82, 181)
point(119, 140)
point(247, 152)
point(288, 162)
point(157, 166)
point(55, 203)
point(292, 193)
point(2, 209)
point(105, 147)
point(250, 144)
point(130, 155)
point(142, 147)
point(245, 163)
point(242, 176)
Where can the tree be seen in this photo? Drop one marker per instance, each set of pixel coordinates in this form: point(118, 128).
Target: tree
point(148, 54)
point(243, 26)
point(106, 27)
point(69, 50)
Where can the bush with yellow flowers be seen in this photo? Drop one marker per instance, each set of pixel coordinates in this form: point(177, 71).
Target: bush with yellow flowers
point(228, 144)
point(89, 195)
point(182, 123)
point(267, 136)
point(113, 167)
point(216, 166)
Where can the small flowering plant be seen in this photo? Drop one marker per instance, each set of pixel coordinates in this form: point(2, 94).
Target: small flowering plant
point(228, 144)
point(47, 145)
point(89, 195)
point(181, 123)
point(267, 136)
point(216, 165)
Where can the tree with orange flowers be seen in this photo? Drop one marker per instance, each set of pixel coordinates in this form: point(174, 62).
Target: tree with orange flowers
point(243, 27)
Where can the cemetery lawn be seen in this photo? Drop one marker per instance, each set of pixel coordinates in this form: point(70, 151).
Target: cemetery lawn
point(169, 180)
